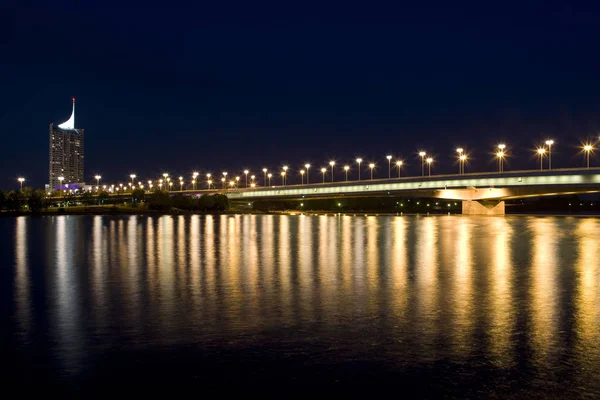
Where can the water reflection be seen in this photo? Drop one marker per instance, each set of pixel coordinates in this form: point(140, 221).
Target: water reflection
point(407, 289)
point(22, 280)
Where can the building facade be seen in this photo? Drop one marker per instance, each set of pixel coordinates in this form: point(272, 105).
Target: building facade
point(66, 154)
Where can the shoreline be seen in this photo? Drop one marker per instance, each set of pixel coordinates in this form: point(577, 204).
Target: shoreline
point(110, 211)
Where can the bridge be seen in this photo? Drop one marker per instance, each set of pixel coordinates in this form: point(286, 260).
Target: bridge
point(480, 193)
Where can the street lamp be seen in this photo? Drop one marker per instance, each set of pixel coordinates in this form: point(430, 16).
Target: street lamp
point(223, 183)
point(231, 183)
point(265, 174)
point(389, 158)
point(460, 151)
point(500, 155)
point(269, 176)
point(170, 185)
point(307, 166)
point(237, 182)
point(332, 163)
point(399, 165)
point(21, 180)
point(252, 179)
point(346, 168)
point(246, 173)
point(541, 151)
point(323, 170)
point(194, 175)
point(98, 177)
point(422, 154)
point(132, 176)
point(588, 149)
point(359, 160)
point(181, 185)
point(302, 175)
point(462, 159)
point(283, 178)
point(371, 166)
point(429, 161)
point(549, 143)
point(209, 183)
point(285, 168)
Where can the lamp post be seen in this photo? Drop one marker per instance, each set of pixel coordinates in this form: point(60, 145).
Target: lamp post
point(246, 173)
point(283, 178)
point(265, 175)
point(97, 177)
point(359, 160)
point(269, 176)
point(332, 163)
point(460, 154)
point(209, 182)
point(346, 168)
point(501, 154)
point(399, 165)
point(223, 183)
point(302, 176)
point(372, 166)
point(170, 185)
point(132, 176)
point(237, 182)
point(549, 143)
point(588, 149)
point(429, 162)
point(252, 179)
point(195, 176)
point(181, 185)
point(389, 158)
point(462, 159)
point(323, 170)
point(307, 166)
point(422, 154)
point(285, 168)
point(541, 152)
point(21, 180)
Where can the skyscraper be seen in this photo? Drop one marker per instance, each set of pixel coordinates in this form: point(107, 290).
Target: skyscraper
point(66, 153)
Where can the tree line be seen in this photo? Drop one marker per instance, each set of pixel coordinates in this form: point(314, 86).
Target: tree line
point(38, 200)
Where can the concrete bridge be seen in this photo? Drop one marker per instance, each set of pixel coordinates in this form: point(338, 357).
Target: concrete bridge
point(480, 193)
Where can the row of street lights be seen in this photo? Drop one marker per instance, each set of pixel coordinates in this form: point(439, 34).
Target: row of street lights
point(500, 154)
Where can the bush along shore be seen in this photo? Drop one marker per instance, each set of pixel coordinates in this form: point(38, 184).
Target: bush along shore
point(29, 202)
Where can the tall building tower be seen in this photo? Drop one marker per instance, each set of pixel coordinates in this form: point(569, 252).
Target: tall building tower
point(66, 154)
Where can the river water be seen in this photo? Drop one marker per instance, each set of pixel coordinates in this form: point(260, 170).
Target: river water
point(443, 305)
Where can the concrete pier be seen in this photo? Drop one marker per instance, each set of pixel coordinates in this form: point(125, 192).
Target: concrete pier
point(483, 207)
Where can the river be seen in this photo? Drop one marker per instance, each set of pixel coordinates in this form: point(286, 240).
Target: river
point(454, 306)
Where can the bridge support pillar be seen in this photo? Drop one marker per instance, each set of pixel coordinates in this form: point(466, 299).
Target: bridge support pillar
point(483, 207)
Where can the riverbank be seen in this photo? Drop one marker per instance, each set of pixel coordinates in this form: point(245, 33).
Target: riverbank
point(126, 210)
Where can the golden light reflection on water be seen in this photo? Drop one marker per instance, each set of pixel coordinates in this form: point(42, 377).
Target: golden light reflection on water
point(429, 287)
point(544, 292)
point(588, 292)
point(463, 285)
point(501, 312)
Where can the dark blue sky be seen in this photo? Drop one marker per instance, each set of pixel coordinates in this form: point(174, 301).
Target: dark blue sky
point(228, 86)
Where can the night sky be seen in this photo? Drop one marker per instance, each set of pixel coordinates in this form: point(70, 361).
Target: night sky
point(232, 85)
